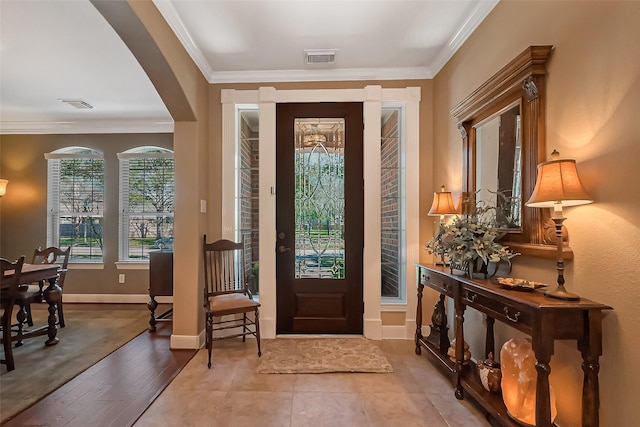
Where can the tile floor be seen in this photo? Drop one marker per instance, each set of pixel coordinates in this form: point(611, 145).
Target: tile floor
point(231, 393)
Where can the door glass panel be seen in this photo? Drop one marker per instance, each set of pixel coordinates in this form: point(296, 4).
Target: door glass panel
point(319, 198)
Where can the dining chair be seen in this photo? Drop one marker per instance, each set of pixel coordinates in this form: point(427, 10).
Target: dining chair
point(226, 293)
point(8, 291)
point(34, 292)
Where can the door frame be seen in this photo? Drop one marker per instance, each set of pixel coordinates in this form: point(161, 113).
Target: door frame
point(372, 98)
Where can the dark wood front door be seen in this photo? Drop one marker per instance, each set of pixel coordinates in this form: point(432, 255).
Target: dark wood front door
point(319, 218)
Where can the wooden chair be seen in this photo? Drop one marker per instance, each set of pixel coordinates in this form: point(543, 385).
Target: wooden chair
point(9, 289)
point(226, 293)
point(34, 292)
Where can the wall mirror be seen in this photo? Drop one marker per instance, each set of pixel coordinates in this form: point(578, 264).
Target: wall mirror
point(498, 183)
point(502, 124)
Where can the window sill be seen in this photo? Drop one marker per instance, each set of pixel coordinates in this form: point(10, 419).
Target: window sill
point(85, 266)
point(132, 265)
point(393, 306)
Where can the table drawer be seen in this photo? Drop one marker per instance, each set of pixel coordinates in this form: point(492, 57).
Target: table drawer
point(442, 284)
point(519, 316)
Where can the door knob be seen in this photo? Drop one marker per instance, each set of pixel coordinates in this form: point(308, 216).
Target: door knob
point(283, 249)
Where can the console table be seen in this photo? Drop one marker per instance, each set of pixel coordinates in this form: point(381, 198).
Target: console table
point(160, 284)
point(544, 319)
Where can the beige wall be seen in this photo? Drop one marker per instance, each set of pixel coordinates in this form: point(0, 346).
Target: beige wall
point(24, 207)
point(196, 167)
point(593, 102)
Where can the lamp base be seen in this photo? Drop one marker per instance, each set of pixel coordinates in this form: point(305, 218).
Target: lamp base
point(561, 293)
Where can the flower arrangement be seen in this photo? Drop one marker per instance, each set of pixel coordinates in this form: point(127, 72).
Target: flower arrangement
point(469, 238)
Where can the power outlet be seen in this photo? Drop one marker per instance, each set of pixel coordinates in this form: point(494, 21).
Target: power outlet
point(120, 278)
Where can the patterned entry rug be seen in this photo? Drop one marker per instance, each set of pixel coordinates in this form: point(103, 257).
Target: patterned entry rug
point(322, 355)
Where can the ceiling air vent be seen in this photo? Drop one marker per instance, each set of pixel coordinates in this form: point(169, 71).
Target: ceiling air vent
point(325, 56)
point(78, 103)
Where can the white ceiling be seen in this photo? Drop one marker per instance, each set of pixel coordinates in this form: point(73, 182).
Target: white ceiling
point(64, 49)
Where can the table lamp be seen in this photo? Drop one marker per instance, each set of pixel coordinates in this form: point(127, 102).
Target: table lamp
point(558, 185)
point(442, 205)
point(3, 186)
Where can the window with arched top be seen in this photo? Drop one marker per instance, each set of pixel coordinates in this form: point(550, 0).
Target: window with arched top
point(75, 202)
point(147, 202)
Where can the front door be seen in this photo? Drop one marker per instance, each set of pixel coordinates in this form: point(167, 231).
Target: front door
point(319, 218)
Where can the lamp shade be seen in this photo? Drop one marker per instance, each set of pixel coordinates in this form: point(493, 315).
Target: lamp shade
point(3, 186)
point(558, 182)
point(442, 203)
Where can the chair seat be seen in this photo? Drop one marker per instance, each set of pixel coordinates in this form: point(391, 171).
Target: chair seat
point(230, 303)
point(28, 290)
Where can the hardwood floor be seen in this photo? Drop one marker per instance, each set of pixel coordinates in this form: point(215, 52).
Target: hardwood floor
point(116, 390)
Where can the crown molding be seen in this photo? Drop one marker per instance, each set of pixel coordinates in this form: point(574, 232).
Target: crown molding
point(340, 74)
point(166, 9)
point(480, 11)
point(103, 126)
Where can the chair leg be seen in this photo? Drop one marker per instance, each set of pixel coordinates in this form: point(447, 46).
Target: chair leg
point(60, 315)
point(209, 339)
point(244, 327)
point(6, 340)
point(258, 331)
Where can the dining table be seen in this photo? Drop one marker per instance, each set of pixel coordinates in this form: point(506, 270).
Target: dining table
point(52, 295)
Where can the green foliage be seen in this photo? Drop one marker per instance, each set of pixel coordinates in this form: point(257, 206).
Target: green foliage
point(469, 237)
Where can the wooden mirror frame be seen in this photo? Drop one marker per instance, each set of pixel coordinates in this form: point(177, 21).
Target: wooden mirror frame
point(521, 81)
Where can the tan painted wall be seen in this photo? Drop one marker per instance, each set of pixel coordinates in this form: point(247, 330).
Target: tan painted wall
point(194, 171)
point(24, 207)
point(392, 318)
point(592, 108)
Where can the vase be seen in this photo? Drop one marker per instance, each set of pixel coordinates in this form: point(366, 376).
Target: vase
point(490, 374)
point(478, 269)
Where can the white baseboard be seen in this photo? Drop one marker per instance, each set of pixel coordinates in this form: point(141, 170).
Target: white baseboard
point(190, 342)
point(394, 332)
point(373, 329)
point(114, 298)
point(410, 327)
point(267, 327)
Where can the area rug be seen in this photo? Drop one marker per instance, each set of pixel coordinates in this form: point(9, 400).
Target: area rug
point(89, 335)
point(321, 355)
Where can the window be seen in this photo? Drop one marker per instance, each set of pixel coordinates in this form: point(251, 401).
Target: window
point(393, 207)
point(147, 200)
point(246, 190)
point(75, 202)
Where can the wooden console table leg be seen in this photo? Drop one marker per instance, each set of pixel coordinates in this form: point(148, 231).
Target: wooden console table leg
point(459, 362)
point(418, 336)
point(489, 343)
point(542, 343)
point(591, 349)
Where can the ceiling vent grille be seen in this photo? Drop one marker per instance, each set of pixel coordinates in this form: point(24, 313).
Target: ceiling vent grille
point(320, 56)
point(77, 103)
